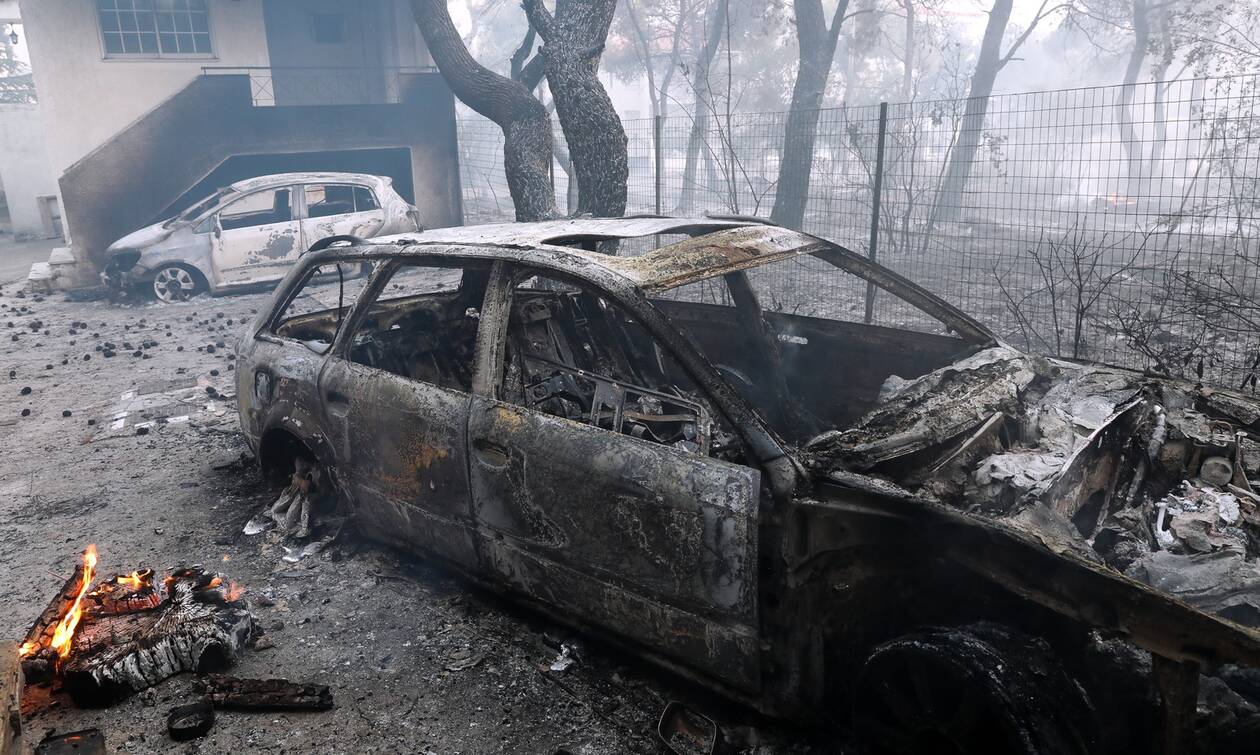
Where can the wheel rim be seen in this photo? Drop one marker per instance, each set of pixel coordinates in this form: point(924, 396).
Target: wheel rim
point(173, 284)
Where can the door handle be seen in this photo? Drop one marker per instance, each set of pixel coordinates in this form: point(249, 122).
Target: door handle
point(490, 454)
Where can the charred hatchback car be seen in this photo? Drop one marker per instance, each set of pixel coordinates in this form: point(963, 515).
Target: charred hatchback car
point(250, 233)
point(958, 546)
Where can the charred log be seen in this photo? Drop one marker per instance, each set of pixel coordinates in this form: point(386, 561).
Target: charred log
point(199, 626)
point(230, 692)
point(39, 660)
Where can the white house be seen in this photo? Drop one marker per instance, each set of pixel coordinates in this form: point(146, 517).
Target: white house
point(148, 104)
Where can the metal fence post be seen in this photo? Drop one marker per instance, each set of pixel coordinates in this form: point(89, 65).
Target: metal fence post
point(876, 190)
point(656, 148)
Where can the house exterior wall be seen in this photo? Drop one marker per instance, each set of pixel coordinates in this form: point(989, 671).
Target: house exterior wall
point(24, 168)
point(86, 97)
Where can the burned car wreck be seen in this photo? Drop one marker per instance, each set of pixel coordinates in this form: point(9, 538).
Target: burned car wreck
point(961, 545)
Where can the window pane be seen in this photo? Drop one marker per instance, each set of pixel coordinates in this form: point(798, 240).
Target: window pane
point(260, 208)
point(364, 199)
point(312, 314)
point(109, 21)
point(423, 326)
point(131, 43)
point(575, 354)
point(169, 45)
point(165, 22)
point(144, 21)
point(325, 200)
point(104, 5)
point(113, 44)
point(127, 21)
point(126, 4)
point(148, 43)
point(329, 28)
point(182, 23)
point(200, 23)
point(202, 43)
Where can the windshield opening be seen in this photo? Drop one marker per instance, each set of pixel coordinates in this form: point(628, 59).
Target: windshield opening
point(791, 336)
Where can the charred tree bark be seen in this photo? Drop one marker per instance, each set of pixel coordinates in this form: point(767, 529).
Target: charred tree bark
point(40, 662)
point(817, 47)
point(526, 127)
point(573, 40)
point(701, 107)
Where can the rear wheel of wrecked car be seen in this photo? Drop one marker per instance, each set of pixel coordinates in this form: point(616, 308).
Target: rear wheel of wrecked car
point(980, 688)
point(177, 283)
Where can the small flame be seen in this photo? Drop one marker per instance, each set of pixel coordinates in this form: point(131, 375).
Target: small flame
point(235, 591)
point(28, 648)
point(65, 628)
point(132, 580)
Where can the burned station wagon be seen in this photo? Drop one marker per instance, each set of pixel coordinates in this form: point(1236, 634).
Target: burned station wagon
point(706, 451)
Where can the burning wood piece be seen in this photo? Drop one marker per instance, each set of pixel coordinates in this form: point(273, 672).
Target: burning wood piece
point(264, 694)
point(199, 623)
point(49, 637)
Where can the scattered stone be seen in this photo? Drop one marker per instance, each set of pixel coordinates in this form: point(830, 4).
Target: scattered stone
point(26, 390)
point(65, 412)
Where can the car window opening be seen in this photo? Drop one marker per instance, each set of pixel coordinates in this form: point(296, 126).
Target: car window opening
point(423, 325)
point(572, 353)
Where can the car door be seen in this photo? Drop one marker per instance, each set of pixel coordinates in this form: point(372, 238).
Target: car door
point(256, 237)
point(653, 540)
point(340, 210)
point(396, 389)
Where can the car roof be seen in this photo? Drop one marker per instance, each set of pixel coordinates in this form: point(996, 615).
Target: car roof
point(280, 179)
point(715, 246)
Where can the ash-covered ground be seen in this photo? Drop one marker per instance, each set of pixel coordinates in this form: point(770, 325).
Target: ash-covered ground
point(139, 452)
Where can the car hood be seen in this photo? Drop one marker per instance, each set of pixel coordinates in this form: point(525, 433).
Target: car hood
point(1151, 477)
point(146, 237)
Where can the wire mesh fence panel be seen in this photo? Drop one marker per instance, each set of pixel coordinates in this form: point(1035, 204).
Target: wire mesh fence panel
point(1117, 224)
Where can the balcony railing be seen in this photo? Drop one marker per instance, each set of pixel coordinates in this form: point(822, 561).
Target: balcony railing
point(271, 86)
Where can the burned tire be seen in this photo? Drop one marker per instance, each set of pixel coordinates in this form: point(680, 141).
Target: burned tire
point(174, 283)
point(982, 688)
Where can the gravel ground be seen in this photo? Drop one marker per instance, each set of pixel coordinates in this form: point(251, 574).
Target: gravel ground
point(140, 454)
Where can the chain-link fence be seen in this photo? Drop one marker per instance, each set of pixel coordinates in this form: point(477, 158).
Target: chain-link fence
point(1117, 224)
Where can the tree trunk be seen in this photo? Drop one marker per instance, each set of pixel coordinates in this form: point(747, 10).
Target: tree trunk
point(573, 40)
point(526, 126)
point(1134, 153)
point(701, 107)
point(949, 197)
point(643, 48)
point(907, 73)
point(817, 47)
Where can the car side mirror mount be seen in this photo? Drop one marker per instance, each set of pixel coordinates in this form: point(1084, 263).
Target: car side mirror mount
point(216, 227)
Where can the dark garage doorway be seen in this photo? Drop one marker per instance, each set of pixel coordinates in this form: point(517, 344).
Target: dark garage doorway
point(394, 163)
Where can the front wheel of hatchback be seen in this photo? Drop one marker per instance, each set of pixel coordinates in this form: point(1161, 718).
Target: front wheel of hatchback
point(982, 688)
point(176, 283)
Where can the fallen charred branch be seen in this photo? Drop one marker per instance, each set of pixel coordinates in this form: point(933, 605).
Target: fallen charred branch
point(233, 693)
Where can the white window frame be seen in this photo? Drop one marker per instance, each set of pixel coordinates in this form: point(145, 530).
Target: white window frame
point(159, 55)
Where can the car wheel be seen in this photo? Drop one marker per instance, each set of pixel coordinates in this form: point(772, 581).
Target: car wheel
point(980, 688)
point(175, 283)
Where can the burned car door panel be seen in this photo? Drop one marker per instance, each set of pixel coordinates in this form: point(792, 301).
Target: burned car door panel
point(598, 468)
point(398, 397)
point(256, 237)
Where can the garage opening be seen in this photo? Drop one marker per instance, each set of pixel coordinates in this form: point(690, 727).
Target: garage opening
point(394, 163)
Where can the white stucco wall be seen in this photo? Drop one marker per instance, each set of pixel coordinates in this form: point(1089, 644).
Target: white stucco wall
point(24, 168)
point(86, 98)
